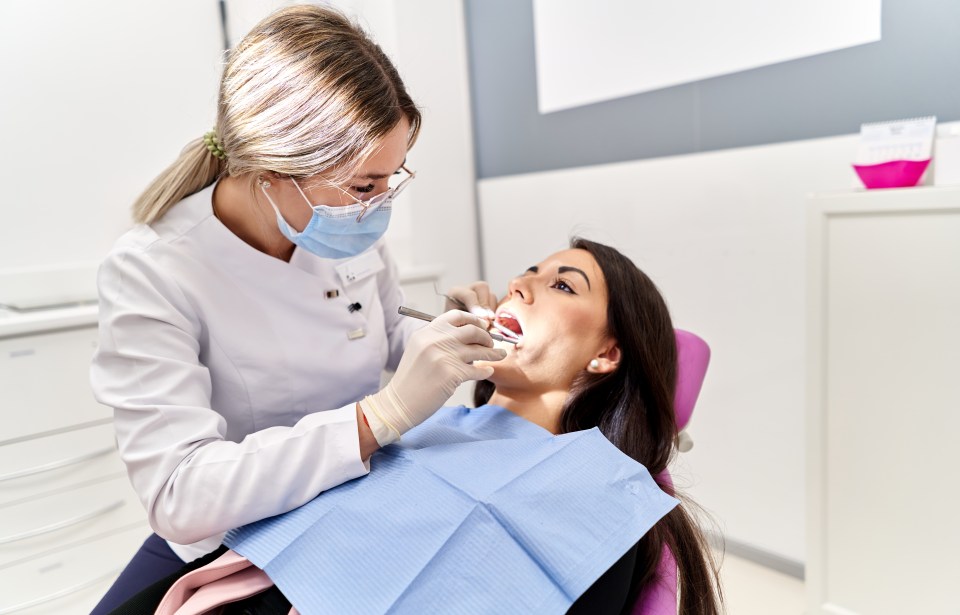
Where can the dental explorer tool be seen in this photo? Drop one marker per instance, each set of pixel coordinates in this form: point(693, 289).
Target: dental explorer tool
point(405, 311)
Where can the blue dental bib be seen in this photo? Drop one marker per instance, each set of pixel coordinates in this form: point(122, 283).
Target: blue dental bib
point(474, 511)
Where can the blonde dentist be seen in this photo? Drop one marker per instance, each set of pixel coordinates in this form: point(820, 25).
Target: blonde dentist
point(245, 321)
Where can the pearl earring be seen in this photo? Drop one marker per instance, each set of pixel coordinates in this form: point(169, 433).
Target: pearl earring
point(594, 364)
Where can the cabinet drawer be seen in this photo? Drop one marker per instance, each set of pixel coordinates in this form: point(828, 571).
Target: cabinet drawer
point(70, 581)
point(45, 382)
point(37, 525)
point(42, 465)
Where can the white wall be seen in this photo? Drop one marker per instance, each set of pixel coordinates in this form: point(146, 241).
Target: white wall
point(722, 234)
point(431, 55)
point(97, 98)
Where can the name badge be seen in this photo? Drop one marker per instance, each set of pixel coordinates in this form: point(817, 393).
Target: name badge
point(363, 266)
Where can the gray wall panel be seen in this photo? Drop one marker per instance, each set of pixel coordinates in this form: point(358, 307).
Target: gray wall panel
point(914, 70)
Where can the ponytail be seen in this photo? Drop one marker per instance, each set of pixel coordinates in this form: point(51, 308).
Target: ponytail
point(195, 169)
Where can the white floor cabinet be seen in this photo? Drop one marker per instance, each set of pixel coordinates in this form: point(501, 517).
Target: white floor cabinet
point(69, 519)
point(883, 465)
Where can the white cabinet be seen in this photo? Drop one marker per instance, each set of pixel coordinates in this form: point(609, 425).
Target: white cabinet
point(69, 520)
point(45, 383)
point(883, 402)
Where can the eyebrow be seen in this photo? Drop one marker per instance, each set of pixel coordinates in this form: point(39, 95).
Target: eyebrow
point(563, 269)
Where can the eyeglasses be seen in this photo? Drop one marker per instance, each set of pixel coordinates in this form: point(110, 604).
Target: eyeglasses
point(384, 197)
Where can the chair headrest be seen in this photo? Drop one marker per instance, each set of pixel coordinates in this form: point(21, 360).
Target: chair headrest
point(693, 357)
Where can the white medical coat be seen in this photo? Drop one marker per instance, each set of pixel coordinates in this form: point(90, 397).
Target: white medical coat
point(232, 374)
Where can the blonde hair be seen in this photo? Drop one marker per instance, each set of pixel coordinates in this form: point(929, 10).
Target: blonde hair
point(305, 93)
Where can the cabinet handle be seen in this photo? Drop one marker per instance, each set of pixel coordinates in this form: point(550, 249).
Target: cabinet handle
point(57, 464)
point(59, 525)
point(60, 594)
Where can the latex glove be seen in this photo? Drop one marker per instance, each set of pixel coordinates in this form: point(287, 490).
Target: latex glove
point(437, 359)
point(477, 298)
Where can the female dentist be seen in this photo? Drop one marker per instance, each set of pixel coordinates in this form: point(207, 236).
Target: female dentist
point(245, 321)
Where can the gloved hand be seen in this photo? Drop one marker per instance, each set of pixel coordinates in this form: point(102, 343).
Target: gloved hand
point(437, 359)
point(476, 298)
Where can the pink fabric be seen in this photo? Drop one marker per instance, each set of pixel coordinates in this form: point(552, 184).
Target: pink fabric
point(229, 578)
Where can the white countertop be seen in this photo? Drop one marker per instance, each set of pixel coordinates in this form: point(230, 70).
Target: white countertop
point(36, 321)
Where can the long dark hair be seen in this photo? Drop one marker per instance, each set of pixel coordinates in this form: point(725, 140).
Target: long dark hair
point(633, 408)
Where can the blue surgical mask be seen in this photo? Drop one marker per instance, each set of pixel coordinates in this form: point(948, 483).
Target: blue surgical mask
point(338, 232)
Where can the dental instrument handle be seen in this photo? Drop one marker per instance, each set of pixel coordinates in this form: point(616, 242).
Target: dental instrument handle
point(405, 311)
point(412, 313)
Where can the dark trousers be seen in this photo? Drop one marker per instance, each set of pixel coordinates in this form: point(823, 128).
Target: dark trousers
point(153, 561)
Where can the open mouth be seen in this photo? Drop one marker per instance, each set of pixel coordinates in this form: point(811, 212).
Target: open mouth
point(508, 321)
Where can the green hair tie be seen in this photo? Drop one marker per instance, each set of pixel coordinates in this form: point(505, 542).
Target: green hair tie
point(213, 144)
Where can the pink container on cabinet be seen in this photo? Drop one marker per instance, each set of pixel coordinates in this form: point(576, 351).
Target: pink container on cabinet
point(893, 174)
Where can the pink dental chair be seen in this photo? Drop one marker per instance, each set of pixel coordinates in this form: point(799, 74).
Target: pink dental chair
point(693, 356)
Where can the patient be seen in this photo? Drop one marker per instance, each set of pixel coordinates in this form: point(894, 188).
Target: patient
point(617, 325)
point(597, 351)
point(603, 354)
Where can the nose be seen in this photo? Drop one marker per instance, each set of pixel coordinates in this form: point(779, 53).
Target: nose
point(521, 287)
point(381, 185)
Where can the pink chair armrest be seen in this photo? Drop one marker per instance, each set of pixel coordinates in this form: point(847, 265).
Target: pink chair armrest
point(693, 357)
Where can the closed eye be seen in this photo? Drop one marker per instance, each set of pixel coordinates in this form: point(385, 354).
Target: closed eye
point(364, 189)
